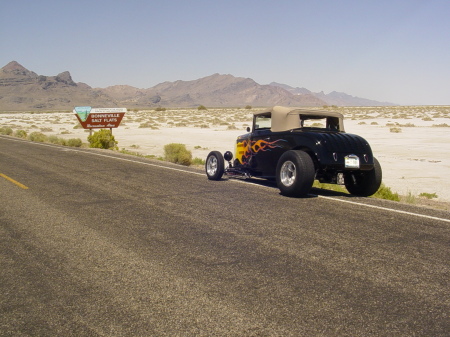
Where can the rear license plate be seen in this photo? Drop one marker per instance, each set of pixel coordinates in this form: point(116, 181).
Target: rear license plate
point(351, 161)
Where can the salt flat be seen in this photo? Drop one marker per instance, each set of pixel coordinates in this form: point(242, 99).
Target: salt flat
point(411, 143)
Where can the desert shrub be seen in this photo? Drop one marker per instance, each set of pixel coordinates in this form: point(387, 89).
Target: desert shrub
point(102, 139)
point(56, 140)
point(409, 198)
point(46, 129)
point(178, 154)
point(20, 134)
point(396, 130)
point(428, 195)
point(74, 142)
point(160, 109)
point(202, 107)
point(198, 161)
point(53, 139)
point(37, 137)
point(62, 141)
point(6, 131)
point(147, 125)
point(385, 192)
point(443, 125)
point(248, 107)
point(216, 121)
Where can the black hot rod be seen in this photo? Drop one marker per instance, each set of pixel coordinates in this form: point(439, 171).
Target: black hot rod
point(295, 146)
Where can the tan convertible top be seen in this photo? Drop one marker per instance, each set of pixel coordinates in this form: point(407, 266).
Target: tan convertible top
point(287, 118)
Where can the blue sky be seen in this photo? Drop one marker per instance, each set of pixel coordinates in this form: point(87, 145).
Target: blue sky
point(394, 50)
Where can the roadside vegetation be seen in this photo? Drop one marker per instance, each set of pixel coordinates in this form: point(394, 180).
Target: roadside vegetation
point(103, 139)
point(41, 137)
point(178, 154)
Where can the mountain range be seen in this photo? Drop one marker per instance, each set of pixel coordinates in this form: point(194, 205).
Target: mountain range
point(22, 89)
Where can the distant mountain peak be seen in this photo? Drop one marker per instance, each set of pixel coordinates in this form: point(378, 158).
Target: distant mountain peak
point(333, 98)
point(65, 78)
point(22, 89)
point(295, 91)
point(15, 68)
point(14, 65)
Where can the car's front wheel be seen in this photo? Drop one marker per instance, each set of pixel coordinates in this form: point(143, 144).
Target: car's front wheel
point(215, 165)
point(295, 173)
point(364, 183)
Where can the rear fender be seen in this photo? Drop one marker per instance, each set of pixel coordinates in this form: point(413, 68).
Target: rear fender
point(310, 153)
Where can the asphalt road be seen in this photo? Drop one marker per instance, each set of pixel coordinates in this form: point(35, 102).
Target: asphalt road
point(95, 243)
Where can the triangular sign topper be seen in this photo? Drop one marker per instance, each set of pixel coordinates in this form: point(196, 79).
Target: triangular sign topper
point(83, 112)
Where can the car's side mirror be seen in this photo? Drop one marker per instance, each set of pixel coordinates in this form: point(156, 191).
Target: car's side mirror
point(248, 129)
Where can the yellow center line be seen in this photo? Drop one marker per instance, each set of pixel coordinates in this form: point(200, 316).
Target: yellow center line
point(13, 181)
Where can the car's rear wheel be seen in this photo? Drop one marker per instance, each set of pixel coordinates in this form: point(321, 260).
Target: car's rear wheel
point(295, 173)
point(364, 183)
point(215, 165)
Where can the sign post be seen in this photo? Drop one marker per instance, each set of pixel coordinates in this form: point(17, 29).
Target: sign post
point(99, 118)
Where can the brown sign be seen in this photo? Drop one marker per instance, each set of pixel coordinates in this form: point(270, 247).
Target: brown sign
point(103, 118)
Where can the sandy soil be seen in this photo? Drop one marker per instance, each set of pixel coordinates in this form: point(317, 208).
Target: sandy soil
point(415, 160)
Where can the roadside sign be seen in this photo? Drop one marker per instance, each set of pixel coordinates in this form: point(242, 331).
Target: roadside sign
point(99, 118)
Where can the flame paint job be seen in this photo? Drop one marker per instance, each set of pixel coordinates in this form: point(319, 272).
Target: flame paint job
point(246, 147)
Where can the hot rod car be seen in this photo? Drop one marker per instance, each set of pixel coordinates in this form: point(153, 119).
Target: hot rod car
point(295, 146)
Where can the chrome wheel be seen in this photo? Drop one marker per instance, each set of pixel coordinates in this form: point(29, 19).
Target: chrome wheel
point(211, 165)
point(214, 165)
point(288, 173)
point(295, 173)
